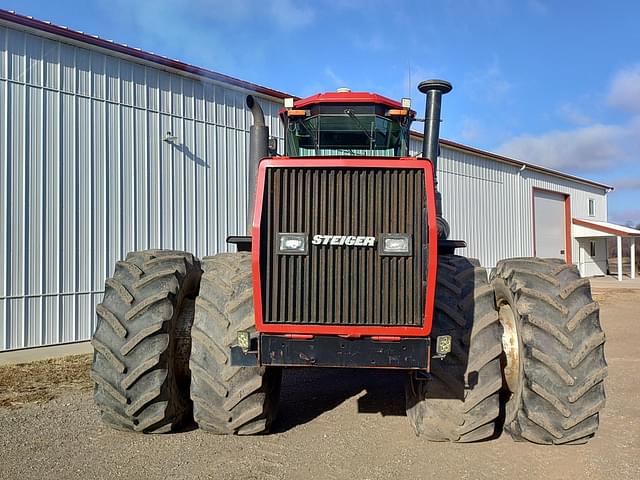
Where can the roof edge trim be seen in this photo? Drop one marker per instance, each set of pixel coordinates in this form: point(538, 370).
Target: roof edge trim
point(64, 32)
point(607, 228)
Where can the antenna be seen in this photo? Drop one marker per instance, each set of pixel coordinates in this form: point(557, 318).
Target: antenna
point(409, 82)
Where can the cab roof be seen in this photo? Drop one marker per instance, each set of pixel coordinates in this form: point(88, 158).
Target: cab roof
point(347, 97)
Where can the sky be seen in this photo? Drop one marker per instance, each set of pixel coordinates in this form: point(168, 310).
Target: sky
point(554, 83)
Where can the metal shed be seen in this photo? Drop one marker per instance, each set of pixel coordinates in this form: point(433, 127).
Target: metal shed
point(106, 149)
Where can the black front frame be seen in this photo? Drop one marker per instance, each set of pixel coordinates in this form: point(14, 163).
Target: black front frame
point(334, 351)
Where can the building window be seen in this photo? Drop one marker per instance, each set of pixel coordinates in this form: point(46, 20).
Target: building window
point(592, 248)
point(592, 207)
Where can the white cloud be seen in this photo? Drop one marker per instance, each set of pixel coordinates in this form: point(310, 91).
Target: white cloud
point(574, 115)
point(538, 7)
point(335, 78)
point(290, 14)
point(489, 9)
point(590, 146)
point(594, 147)
point(627, 184)
point(629, 217)
point(373, 42)
point(210, 33)
point(488, 85)
point(472, 129)
point(625, 89)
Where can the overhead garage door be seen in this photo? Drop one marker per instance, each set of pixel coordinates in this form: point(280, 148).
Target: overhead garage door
point(549, 224)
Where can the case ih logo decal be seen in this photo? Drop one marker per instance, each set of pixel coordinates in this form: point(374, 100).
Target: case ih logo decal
point(351, 240)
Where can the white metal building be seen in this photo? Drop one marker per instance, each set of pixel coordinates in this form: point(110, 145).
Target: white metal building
point(106, 149)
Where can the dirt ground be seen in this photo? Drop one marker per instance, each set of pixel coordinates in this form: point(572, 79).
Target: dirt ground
point(333, 424)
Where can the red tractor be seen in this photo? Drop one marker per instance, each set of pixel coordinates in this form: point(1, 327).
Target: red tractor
point(348, 264)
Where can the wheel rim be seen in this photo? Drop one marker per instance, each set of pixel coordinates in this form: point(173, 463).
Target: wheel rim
point(510, 347)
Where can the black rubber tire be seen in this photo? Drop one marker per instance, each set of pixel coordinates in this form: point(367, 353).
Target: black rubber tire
point(561, 365)
point(460, 402)
point(228, 399)
point(141, 383)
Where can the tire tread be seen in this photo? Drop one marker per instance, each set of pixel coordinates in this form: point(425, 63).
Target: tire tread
point(228, 399)
point(563, 369)
point(135, 361)
point(449, 406)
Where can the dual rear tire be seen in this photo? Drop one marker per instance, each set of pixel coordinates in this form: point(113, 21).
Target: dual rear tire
point(157, 355)
point(460, 400)
point(542, 327)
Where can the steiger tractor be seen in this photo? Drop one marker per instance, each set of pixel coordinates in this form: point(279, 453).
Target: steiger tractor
point(348, 264)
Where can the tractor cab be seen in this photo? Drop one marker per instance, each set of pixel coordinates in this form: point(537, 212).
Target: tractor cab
point(346, 123)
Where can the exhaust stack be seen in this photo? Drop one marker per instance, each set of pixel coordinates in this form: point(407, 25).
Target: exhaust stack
point(258, 149)
point(434, 89)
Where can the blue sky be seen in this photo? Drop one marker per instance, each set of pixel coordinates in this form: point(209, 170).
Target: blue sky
point(548, 82)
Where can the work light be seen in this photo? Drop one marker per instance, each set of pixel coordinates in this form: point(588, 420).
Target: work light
point(398, 244)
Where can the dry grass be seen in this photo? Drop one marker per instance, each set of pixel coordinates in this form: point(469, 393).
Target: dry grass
point(41, 381)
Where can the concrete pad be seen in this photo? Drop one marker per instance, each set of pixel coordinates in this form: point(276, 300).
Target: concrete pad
point(26, 355)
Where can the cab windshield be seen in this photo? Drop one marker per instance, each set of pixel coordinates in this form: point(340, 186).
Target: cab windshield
point(346, 134)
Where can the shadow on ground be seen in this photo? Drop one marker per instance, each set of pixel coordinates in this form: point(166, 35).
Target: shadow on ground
point(308, 393)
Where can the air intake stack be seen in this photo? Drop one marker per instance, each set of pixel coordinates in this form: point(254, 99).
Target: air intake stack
point(434, 89)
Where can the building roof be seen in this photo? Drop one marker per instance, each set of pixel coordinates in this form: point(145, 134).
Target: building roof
point(96, 41)
point(77, 36)
point(596, 228)
point(515, 162)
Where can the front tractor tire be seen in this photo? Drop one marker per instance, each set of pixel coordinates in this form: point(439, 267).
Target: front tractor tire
point(228, 399)
point(140, 361)
point(460, 400)
point(554, 363)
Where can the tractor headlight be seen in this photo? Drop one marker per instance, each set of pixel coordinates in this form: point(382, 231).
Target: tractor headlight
point(292, 243)
point(244, 340)
point(395, 244)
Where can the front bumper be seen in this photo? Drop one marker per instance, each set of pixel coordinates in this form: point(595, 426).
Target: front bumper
point(335, 351)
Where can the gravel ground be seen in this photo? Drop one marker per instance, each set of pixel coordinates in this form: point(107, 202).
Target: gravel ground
point(333, 424)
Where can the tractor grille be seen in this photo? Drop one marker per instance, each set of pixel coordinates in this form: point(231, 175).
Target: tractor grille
point(343, 285)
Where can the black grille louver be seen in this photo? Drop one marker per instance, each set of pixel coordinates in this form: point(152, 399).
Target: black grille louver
point(343, 285)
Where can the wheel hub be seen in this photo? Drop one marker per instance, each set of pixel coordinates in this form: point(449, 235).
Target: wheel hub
point(511, 347)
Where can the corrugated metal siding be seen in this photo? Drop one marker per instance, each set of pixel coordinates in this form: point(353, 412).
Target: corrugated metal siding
point(85, 176)
point(489, 203)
